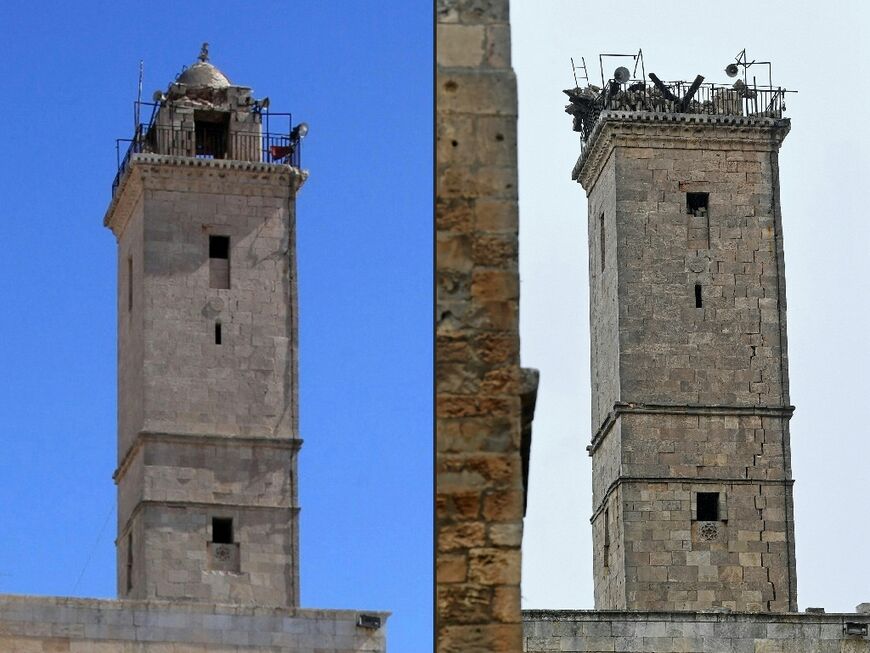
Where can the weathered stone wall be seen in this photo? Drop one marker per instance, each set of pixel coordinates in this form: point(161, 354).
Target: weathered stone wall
point(689, 399)
point(609, 558)
point(131, 303)
point(690, 632)
point(603, 287)
point(748, 565)
point(33, 624)
point(479, 505)
point(729, 351)
point(245, 385)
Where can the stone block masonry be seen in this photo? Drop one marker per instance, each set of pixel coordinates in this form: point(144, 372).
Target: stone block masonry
point(30, 624)
point(479, 475)
point(692, 486)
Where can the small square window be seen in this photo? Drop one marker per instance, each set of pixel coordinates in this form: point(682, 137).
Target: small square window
point(218, 246)
point(221, 530)
point(696, 203)
point(707, 506)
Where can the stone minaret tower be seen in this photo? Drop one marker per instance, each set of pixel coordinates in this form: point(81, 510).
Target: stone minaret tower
point(692, 485)
point(204, 212)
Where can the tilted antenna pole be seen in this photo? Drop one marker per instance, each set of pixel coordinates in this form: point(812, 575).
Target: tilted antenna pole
point(138, 99)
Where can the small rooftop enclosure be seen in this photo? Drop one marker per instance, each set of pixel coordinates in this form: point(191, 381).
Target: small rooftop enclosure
point(203, 115)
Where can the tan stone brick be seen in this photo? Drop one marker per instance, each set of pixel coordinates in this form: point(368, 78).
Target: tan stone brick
point(464, 603)
point(506, 604)
point(490, 566)
point(453, 537)
point(503, 505)
point(495, 284)
point(497, 348)
point(496, 216)
point(455, 215)
point(495, 251)
point(472, 406)
point(460, 45)
point(451, 568)
point(453, 252)
point(481, 638)
point(506, 534)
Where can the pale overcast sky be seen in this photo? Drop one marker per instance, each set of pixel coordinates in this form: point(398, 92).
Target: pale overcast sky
point(816, 49)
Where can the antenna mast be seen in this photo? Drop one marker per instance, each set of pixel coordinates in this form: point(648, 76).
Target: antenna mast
point(138, 98)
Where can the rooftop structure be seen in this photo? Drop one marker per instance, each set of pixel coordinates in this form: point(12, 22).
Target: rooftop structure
point(625, 92)
point(202, 115)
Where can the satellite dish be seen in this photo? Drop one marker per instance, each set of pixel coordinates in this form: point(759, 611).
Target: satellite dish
point(158, 96)
point(731, 70)
point(621, 75)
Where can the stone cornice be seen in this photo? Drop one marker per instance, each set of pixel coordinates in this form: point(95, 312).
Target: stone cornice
point(124, 201)
point(714, 615)
point(674, 130)
point(622, 408)
point(32, 610)
point(294, 444)
point(131, 183)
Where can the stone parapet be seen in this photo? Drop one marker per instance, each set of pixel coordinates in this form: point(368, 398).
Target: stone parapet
point(207, 175)
point(693, 632)
point(36, 624)
point(674, 130)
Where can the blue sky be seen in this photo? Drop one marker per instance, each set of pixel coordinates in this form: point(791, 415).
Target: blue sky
point(360, 75)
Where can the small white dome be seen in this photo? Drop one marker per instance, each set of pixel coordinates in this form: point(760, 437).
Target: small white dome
point(203, 74)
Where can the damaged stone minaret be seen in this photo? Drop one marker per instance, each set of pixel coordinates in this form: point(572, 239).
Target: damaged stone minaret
point(692, 484)
point(204, 215)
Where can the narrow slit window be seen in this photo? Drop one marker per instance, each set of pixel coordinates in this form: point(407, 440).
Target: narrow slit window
point(603, 242)
point(218, 336)
point(129, 561)
point(707, 506)
point(129, 283)
point(699, 300)
point(699, 220)
point(606, 537)
point(221, 530)
point(219, 261)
